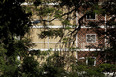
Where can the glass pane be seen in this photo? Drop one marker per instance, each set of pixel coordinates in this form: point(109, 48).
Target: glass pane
point(91, 61)
point(90, 38)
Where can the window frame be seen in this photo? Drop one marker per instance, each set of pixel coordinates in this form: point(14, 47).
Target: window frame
point(94, 61)
point(90, 35)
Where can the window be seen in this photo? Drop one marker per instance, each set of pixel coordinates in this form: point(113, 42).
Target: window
point(90, 16)
point(91, 38)
point(36, 21)
point(91, 61)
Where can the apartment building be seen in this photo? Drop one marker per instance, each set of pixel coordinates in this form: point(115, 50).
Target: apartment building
point(89, 40)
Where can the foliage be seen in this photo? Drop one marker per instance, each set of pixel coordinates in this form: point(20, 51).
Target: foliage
point(30, 67)
point(14, 22)
point(107, 67)
point(53, 71)
point(86, 71)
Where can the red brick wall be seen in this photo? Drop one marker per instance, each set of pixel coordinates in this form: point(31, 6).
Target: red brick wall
point(86, 54)
point(81, 38)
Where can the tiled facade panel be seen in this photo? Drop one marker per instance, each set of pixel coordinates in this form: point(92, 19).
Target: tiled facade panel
point(47, 42)
point(82, 38)
point(43, 43)
point(40, 46)
point(56, 22)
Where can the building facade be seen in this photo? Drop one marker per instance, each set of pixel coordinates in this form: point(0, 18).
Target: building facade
point(90, 40)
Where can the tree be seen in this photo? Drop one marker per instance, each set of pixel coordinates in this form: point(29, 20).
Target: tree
point(14, 22)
